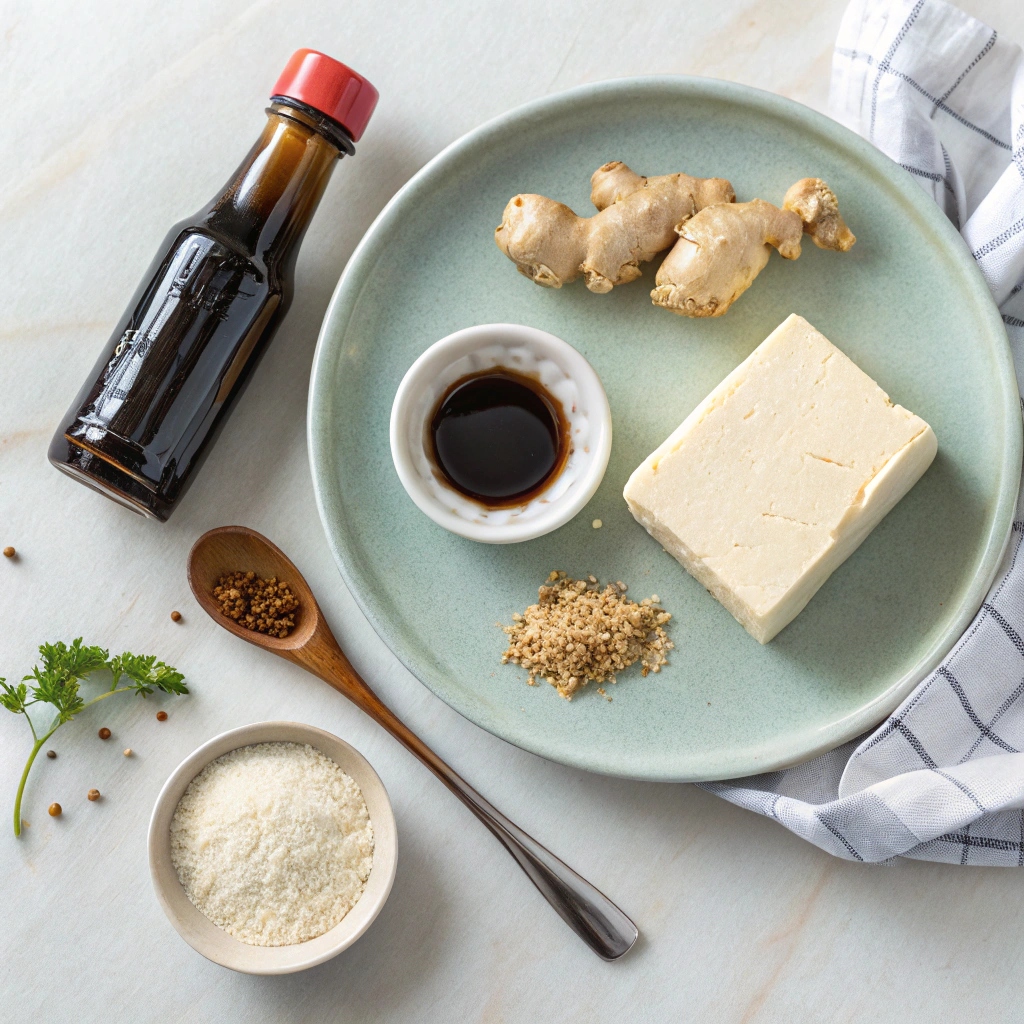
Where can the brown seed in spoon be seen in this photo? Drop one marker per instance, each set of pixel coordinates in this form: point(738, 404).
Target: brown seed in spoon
point(264, 605)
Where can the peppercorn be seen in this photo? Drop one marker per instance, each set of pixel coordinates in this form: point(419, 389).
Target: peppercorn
point(9, 552)
point(55, 810)
point(104, 733)
point(175, 616)
point(51, 754)
point(161, 716)
point(93, 794)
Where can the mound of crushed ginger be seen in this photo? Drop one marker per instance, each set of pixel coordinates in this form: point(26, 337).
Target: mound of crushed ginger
point(577, 633)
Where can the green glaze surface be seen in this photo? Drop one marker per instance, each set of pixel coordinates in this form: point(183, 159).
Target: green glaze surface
point(907, 304)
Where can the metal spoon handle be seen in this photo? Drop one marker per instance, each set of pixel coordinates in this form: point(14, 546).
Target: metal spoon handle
point(584, 908)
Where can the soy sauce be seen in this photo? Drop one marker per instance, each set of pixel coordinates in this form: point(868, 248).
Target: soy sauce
point(211, 300)
point(499, 437)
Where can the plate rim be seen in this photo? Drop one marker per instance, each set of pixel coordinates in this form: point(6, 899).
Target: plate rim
point(995, 541)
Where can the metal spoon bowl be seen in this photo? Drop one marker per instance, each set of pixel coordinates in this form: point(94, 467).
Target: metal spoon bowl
point(598, 921)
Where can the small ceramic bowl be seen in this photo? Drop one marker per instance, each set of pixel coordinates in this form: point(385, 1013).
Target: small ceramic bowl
point(561, 370)
point(216, 944)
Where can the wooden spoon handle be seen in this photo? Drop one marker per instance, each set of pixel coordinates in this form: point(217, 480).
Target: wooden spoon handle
point(598, 921)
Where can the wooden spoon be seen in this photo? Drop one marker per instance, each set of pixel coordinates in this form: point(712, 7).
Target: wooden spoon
point(598, 921)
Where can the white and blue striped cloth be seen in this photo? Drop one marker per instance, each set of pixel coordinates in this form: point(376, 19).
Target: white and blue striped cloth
point(943, 778)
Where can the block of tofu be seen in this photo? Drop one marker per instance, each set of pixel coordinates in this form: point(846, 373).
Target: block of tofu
point(776, 478)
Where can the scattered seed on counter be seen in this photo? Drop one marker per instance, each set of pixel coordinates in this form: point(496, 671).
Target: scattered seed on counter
point(55, 810)
point(104, 733)
point(93, 794)
point(9, 552)
point(161, 716)
point(127, 751)
point(175, 616)
point(597, 524)
point(51, 754)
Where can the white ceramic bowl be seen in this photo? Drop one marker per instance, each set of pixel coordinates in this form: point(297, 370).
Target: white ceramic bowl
point(565, 374)
point(215, 943)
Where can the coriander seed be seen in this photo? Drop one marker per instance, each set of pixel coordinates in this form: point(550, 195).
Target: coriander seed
point(9, 552)
point(104, 733)
point(55, 810)
point(161, 716)
point(93, 794)
point(267, 606)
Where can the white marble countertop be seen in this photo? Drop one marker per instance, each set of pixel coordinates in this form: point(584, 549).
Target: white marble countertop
point(120, 119)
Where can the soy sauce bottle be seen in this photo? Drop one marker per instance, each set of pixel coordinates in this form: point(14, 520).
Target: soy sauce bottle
point(211, 300)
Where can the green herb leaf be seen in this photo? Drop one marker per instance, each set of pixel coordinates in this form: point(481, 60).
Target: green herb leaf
point(57, 677)
point(13, 697)
point(145, 672)
point(74, 662)
point(55, 682)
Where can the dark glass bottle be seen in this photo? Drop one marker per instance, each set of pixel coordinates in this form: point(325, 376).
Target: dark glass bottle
point(211, 300)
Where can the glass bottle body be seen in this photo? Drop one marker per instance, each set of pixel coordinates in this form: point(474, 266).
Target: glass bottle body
point(196, 327)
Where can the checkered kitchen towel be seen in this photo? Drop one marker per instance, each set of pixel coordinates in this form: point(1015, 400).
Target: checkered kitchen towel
point(943, 778)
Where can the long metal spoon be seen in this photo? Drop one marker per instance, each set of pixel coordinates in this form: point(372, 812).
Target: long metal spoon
point(601, 925)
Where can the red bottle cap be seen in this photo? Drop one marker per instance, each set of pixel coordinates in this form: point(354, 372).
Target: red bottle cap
point(329, 86)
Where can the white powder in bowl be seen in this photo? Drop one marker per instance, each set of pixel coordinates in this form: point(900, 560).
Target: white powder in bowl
point(273, 843)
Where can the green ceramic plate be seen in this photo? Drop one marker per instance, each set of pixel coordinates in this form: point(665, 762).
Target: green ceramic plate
point(907, 304)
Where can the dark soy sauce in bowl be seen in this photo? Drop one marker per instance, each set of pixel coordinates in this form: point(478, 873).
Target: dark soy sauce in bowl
point(499, 437)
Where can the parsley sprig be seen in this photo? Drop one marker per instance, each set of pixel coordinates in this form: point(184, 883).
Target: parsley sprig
point(55, 681)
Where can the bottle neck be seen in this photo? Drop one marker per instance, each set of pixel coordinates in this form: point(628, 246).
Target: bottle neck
point(270, 200)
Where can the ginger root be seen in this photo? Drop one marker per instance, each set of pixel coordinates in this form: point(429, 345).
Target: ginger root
point(723, 248)
point(817, 207)
point(638, 218)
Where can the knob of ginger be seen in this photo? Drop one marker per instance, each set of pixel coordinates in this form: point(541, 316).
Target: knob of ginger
point(721, 249)
point(637, 218)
